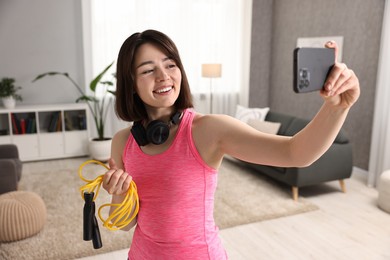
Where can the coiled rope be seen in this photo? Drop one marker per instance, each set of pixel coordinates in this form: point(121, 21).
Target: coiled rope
point(124, 212)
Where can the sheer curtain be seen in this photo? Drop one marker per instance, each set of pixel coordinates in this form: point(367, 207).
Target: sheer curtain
point(205, 31)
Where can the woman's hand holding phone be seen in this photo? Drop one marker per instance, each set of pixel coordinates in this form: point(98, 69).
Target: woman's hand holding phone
point(341, 87)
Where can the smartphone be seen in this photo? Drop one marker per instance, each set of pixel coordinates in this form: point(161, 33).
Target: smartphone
point(311, 68)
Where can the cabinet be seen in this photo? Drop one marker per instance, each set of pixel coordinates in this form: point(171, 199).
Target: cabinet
point(46, 131)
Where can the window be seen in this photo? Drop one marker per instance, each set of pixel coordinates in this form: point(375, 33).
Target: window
point(205, 31)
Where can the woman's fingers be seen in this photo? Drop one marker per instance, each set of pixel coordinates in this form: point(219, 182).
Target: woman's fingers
point(337, 77)
point(116, 181)
point(344, 82)
point(112, 164)
point(333, 45)
point(126, 183)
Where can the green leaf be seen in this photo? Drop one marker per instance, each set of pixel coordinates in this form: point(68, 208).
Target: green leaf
point(52, 73)
point(87, 99)
point(96, 80)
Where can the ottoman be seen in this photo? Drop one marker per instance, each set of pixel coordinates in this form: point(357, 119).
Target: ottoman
point(384, 191)
point(22, 215)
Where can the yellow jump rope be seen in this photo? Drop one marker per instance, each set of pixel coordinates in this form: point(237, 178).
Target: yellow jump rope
point(124, 212)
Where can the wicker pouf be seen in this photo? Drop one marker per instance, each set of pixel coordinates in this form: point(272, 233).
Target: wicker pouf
point(384, 191)
point(22, 215)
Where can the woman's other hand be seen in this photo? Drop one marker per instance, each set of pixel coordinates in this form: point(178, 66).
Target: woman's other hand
point(116, 181)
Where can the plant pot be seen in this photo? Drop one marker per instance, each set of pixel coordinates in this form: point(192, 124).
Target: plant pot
point(100, 149)
point(9, 102)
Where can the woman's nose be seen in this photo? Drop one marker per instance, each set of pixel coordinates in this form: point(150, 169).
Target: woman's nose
point(162, 74)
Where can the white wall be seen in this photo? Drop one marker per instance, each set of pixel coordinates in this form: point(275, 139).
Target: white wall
point(40, 36)
point(380, 140)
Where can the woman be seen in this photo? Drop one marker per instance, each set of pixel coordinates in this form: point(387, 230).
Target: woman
point(173, 153)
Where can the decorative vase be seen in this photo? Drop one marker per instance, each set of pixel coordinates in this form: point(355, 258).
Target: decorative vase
point(9, 102)
point(100, 149)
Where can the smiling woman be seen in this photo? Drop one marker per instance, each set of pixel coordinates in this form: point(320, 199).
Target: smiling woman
point(176, 172)
point(205, 31)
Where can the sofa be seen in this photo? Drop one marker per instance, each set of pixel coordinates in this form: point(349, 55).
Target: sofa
point(11, 168)
point(335, 164)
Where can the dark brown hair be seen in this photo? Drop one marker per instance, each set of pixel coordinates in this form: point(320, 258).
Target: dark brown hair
point(128, 105)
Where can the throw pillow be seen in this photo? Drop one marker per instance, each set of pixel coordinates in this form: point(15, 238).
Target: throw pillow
point(244, 114)
point(265, 126)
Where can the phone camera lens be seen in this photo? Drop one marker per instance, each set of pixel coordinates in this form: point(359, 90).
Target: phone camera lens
point(303, 73)
point(306, 83)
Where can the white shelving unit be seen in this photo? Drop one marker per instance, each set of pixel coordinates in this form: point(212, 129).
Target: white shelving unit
point(46, 131)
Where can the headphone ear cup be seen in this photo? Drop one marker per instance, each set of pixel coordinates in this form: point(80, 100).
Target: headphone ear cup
point(139, 134)
point(157, 132)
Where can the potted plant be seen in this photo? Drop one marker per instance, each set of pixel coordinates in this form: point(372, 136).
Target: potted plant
point(8, 92)
point(100, 146)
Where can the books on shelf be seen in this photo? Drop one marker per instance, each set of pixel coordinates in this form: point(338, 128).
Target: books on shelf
point(55, 124)
point(15, 124)
point(75, 122)
point(23, 125)
point(54, 121)
point(31, 126)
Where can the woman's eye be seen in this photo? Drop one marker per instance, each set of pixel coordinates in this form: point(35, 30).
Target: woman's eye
point(170, 66)
point(147, 71)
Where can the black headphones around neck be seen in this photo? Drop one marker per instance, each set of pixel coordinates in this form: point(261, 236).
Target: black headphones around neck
point(156, 132)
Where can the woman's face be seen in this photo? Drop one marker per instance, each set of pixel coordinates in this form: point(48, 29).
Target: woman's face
point(157, 77)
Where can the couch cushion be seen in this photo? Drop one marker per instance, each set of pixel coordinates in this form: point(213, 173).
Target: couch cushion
point(244, 114)
point(341, 138)
point(265, 126)
point(296, 125)
point(284, 119)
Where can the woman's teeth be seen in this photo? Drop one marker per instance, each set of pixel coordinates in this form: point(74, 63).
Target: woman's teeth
point(163, 90)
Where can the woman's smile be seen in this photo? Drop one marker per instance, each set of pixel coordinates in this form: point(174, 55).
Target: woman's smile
point(163, 90)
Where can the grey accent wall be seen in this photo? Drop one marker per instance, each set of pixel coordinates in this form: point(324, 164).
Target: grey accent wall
point(360, 23)
point(261, 47)
point(40, 36)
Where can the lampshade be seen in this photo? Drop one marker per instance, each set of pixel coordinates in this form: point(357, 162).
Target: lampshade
point(211, 70)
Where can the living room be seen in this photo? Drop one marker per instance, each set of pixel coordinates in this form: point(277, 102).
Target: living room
point(44, 36)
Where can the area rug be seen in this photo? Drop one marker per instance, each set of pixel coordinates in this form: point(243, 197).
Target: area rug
point(242, 197)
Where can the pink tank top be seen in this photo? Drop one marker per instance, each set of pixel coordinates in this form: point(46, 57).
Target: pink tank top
point(176, 190)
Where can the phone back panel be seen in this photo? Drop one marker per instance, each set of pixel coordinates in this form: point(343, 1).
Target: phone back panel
point(311, 68)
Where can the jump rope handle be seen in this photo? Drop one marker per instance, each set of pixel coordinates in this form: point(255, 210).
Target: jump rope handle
point(96, 239)
point(90, 224)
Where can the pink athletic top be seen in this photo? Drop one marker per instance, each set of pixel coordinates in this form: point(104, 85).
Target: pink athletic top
point(176, 191)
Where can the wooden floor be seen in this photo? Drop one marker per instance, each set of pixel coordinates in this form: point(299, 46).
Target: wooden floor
point(347, 226)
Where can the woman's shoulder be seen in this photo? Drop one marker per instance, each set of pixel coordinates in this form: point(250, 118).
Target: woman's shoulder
point(209, 132)
point(123, 133)
point(214, 124)
point(212, 120)
point(120, 138)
